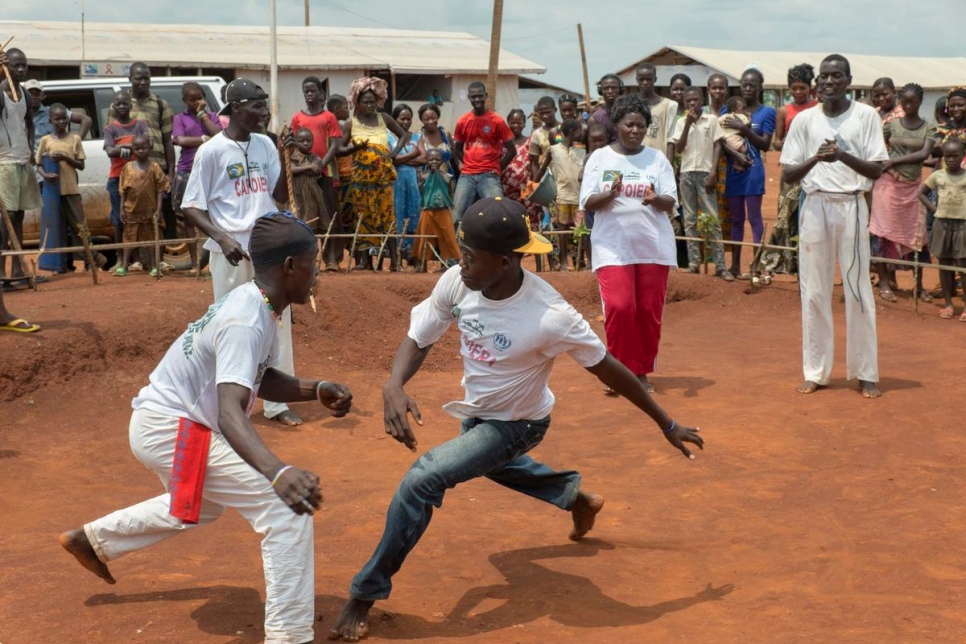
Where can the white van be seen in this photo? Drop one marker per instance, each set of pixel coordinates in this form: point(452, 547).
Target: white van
point(93, 97)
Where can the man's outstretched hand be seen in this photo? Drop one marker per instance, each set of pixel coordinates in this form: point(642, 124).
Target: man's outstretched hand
point(397, 405)
point(680, 435)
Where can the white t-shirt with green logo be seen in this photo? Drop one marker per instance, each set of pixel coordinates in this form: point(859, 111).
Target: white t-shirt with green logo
point(508, 346)
point(235, 189)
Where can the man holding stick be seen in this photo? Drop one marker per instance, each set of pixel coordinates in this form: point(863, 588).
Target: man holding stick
point(18, 183)
point(233, 182)
point(513, 325)
point(836, 150)
point(191, 426)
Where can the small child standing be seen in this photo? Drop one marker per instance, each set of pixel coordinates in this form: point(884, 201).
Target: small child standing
point(949, 227)
point(735, 108)
point(435, 216)
point(143, 184)
point(597, 138)
point(117, 143)
point(566, 161)
point(306, 172)
point(67, 150)
point(697, 138)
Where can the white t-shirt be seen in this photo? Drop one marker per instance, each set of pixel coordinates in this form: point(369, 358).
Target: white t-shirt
point(858, 131)
point(234, 342)
point(221, 184)
point(703, 134)
point(508, 346)
point(625, 230)
point(659, 133)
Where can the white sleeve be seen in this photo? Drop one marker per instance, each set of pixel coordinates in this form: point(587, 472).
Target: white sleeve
point(237, 347)
point(666, 182)
point(577, 339)
point(198, 188)
point(431, 318)
point(875, 149)
point(793, 149)
point(591, 182)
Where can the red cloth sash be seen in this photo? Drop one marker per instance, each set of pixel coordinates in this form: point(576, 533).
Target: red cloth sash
point(188, 470)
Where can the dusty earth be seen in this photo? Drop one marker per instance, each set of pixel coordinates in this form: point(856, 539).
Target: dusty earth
point(825, 518)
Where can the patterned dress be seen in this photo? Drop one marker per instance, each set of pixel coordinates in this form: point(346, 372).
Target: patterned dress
point(370, 194)
point(514, 179)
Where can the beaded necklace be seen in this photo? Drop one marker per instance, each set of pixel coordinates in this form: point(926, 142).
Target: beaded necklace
point(278, 317)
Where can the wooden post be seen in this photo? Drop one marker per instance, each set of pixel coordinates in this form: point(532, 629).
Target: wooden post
point(493, 73)
point(583, 62)
point(306, 13)
point(15, 244)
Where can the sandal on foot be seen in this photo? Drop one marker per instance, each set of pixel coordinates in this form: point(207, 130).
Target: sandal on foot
point(887, 295)
point(744, 277)
point(962, 317)
point(726, 275)
point(925, 297)
point(946, 313)
point(120, 271)
point(19, 325)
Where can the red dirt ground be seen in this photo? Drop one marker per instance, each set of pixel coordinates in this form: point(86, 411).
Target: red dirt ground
point(825, 518)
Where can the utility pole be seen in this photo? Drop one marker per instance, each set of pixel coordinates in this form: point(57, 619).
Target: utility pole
point(494, 69)
point(306, 13)
point(583, 62)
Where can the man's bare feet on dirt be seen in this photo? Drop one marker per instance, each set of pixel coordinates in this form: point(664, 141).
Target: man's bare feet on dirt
point(76, 543)
point(585, 511)
point(648, 387)
point(288, 417)
point(869, 389)
point(808, 387)
point(353, 622)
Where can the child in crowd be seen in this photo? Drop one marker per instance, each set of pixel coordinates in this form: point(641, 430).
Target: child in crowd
point(949, 226)
point(435, 217)
point(306, 172)
point(143, 184)
point(697, 138)
point(735, 108)
point(191, 129)
point(566, 161)
point(339, 106)
point(117, 143)
point(597, 137)
point(67, 150)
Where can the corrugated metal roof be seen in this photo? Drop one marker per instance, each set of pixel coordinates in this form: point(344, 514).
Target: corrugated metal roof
point(404, 51)
point(931, 73)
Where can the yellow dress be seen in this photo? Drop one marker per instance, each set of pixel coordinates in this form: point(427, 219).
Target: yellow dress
point(369, 198)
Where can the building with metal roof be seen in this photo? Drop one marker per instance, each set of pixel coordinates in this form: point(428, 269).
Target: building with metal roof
point(936, 75)
point(414, 62)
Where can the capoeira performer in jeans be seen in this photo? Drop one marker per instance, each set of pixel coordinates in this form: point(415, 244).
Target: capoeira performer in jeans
point(836, 150)
point(513, 325)
point(191, 426)
point(235, 180)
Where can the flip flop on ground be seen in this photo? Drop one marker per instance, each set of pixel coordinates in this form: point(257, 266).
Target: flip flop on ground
point(946, 313)
point(19, 325)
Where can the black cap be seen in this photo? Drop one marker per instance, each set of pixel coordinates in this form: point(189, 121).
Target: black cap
point(277, 236)
point(239, 91)
point(500, 225)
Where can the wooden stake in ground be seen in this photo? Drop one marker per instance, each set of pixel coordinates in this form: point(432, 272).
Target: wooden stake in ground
point(15, 244)
point(6, 72)
point(157, 247)
point(355, 239)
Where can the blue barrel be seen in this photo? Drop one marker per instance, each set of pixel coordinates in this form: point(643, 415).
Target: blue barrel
point(51, 222)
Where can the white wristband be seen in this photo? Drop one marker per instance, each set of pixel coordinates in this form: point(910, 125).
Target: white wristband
point(318, 388)
point(279, 473)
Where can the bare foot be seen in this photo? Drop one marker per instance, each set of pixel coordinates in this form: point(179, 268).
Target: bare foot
point(288, 417)
point(808, 387)
point(648, 387)
point(76, 543)
point(353, 622)
point(585, 511)
point(869, 389)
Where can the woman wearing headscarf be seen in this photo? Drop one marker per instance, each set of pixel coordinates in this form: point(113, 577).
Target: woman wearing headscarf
point(370, 195)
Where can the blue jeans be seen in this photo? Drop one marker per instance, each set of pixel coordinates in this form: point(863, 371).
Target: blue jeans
point(114, 192)
point(491, 448)
point(695, 197)
point(470, 188)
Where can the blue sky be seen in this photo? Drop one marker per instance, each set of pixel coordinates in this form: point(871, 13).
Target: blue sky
point(616, 34)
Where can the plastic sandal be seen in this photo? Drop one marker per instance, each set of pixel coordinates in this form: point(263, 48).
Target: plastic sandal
point(946, 313)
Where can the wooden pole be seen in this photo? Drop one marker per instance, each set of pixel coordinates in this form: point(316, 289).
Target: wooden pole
point(273, 63)
point(306, 13)
point(583, 63)
point(6, 72)
point(15, 244)
point(493, 73)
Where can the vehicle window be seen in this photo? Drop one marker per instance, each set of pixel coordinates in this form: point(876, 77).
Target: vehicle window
point(172, 94)
point(77, 100)
point(103, 96)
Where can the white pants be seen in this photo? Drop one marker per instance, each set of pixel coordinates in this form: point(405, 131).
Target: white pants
point(287, 546)
point(224, 279)
point(836, 225)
